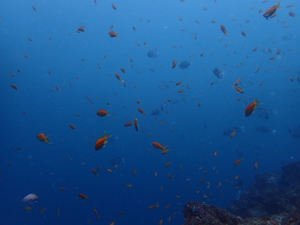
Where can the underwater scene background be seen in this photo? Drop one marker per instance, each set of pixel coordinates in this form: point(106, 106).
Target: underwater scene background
point(59, 61)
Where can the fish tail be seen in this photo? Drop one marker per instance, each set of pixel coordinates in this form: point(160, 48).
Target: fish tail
point(117, 35)
point(47, 140)
point(256, 102)
point(278, 6)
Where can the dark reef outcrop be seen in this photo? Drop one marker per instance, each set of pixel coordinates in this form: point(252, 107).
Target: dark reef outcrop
point(272, 199)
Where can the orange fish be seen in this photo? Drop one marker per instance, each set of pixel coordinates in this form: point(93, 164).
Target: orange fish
point(82, 196)
point(233, 134)
point(244, 34)
point(237, 162)
point(100, 143)
point(127, 124)
point(178, 83)
point(43, 138)
point(136, 125)
point(158, 146)
point(150, 207)
point(14, 87)
point(180, 91)
point(223, 29)
point(80, 29)
point(113, 34)
point(114, 7)
point(96, 213)
point(240, 90)
point(251, 107)
point(118, 77)
point(167, 164)
point(134, 172)
point(128, 185)
point(271, 11)
point(237, 81)
point(102, 113)
point(72, 127)
point(254, 49)
point(174, 64)
point(255, 165)
point(122, 69)
point(141, 111)
point(215, 154)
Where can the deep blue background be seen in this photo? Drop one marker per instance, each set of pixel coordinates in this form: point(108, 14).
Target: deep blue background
point(197, 131)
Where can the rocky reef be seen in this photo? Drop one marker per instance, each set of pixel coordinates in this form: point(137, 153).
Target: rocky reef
point(272, 199)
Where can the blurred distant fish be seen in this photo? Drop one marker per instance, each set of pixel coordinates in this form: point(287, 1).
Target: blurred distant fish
point(240, 183)
point(184, 64)
point(116, 161)
point(288, 37)
point(152, 54)
point(218, 72)
point(265, 130)
point(230, 130)
point(265, 113)
point(295, 132)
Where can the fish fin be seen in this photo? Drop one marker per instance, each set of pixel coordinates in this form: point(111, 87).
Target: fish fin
point(47, 140)
point(278, 6)
point(256, 102)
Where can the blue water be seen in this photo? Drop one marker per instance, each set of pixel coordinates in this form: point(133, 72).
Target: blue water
point(42, 168)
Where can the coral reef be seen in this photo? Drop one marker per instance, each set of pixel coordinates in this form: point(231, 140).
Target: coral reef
point(272, 199)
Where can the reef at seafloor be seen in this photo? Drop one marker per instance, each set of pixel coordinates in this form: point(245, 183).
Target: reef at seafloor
point(273, 199)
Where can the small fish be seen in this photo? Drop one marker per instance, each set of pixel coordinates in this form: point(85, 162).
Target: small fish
point(255, 165)
point(251, 107)
point(128, 124)
point(114, 7)
point(102, 113)
point(223, 29)
point(82, 196)
point(96, 213)
point(167, 164)
point(134, 172)
point(136, 125)
point(237, 162)
point(238, 89)
point(244, 34)
point(271, 11)
point(95, 172)
point(158, 146)
point(113, 34)
point(80, 29)
point(141, 111)
point(30, 198)
point(237, 81)
point(72, 127)
point(100, 143)
point(14, 87)
point(233, 134)
point(43, 138)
